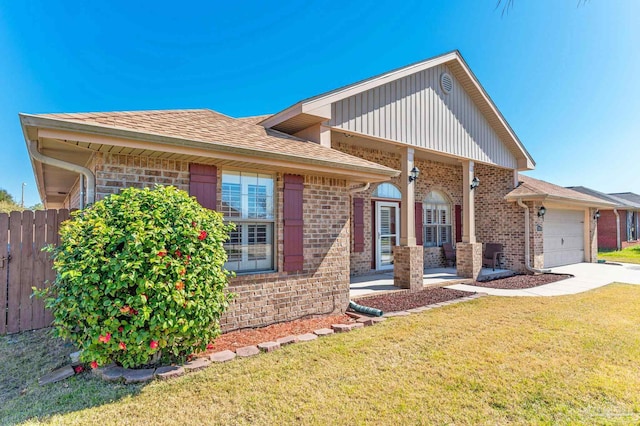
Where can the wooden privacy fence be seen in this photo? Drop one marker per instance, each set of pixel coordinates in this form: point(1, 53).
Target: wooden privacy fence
point(23, 265)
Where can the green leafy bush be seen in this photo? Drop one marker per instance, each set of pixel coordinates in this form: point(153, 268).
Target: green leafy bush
point(140, 274)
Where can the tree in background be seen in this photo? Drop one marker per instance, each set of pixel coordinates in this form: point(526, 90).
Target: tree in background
point(508, 4)
point(6, 197)
point(7, 203)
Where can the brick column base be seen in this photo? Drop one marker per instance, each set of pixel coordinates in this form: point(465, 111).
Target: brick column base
point(469, 259)
point(408, 267)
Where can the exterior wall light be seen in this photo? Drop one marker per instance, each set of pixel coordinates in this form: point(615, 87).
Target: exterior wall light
point(542, 211)
point(596, 215)
point(475, 183)
point(415, 173)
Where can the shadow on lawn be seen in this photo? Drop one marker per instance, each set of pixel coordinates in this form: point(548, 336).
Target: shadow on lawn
point(29, 355)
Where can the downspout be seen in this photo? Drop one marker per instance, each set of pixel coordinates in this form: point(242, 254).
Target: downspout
point(527, 262)
point(618, 245)
point(352, 304)
point(32, 146)
point(360, 188)
point(82, 192)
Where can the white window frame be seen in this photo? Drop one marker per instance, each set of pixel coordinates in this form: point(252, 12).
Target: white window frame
point(436, 217)
point(245, 255)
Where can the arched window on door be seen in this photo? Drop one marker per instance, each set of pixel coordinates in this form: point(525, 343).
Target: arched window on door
point(387, 190)
point(436, 220)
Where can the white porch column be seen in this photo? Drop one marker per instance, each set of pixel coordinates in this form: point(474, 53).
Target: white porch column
point(469, 251)
point(408, 258)
point(468, 205)
point(407, 208)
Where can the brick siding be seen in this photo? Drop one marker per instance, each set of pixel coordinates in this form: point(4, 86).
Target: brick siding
point(443, 177)
point(261, 299)
point(116, 171)
point(607, 238)
point(499, 221)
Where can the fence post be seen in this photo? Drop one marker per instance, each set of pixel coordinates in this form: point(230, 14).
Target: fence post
point(39, 258)
point(13, 313)
point(4, 270)
point(26, 272)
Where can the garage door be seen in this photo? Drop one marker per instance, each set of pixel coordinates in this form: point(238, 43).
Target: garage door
point(563, 237)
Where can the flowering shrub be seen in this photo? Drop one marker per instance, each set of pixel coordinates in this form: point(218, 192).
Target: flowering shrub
point(140, 274)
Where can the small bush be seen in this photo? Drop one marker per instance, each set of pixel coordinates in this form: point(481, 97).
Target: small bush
point(140, 274)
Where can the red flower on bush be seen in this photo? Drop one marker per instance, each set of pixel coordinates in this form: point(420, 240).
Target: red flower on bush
point(203, 235)
point(210, 346)
point(178, 253)
point(78, 369)
point(123, 346)
point(120, 329)
point(179, 285)
point(194, 224)
point(162, 253)
point(153, 344)
point(183, 271)
point(94, 365)
point(134, 311)
point(105, 338)
point(125, 309)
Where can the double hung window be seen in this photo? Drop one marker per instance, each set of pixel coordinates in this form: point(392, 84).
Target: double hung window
point(436, 220)
point(247, 201)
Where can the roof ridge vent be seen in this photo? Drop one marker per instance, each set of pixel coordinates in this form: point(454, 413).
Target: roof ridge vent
point(446, 82)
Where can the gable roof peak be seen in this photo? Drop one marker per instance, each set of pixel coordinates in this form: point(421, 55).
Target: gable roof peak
point(318, 109)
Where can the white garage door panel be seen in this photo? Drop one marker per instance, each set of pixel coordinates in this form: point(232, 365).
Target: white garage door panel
point(563, 237)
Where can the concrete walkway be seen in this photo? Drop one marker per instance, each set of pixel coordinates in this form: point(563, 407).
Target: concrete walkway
point(587, 276)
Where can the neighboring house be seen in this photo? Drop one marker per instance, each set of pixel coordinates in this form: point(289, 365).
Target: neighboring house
point(633, 220)
point(564, 224)
point(322, 190)
point(618, 226)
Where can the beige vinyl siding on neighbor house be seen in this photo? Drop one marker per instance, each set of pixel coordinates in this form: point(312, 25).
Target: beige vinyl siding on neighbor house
point(416, 111)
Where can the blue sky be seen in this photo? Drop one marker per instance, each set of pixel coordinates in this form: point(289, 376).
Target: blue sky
point(564, 75)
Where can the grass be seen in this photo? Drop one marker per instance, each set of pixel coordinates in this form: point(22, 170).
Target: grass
point(561, 360)
point(627, 255)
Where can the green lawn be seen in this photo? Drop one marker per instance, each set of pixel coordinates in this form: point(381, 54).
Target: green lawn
point(628, 255)
point(562, 360)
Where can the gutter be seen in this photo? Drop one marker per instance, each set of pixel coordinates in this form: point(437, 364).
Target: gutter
point(98, 130)
point(527, 254)
point(32, 147)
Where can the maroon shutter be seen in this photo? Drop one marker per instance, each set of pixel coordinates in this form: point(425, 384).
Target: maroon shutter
point(358, 225)
point(293, 223)
point(203, 183)
point(458, 213)
point(419, 231)
point(374, 240)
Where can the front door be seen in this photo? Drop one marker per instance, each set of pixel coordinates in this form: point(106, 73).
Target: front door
point(387, 233)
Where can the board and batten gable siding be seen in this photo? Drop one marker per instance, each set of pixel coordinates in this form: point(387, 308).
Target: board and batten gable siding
point(414, 110)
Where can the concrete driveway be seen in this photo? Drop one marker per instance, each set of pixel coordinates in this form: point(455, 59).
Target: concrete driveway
point(587, 276)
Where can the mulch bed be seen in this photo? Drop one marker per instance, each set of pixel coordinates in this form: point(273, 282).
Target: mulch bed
point(401, 301)
point(521, 281)
point(253, 336)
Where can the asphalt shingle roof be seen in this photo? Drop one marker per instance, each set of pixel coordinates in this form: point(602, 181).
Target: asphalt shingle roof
point(631, 198)
point(530, 187)
point(204, 125)
point(619, 201)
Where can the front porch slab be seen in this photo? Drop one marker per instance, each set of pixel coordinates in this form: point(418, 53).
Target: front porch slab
point(384, 282)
